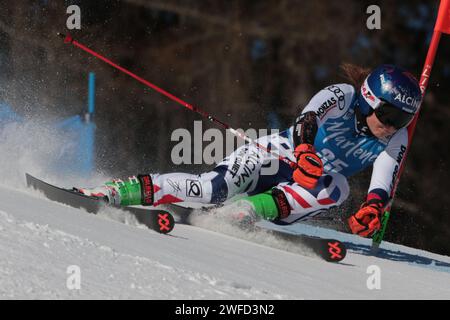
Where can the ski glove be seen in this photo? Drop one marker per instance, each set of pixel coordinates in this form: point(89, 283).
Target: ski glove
point(368, 219)
point(309, 166)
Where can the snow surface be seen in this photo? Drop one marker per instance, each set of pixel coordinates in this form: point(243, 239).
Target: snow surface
point(120, 259)
point(40, 239)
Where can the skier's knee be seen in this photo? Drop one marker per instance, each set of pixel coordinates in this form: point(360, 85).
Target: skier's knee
point(219, 187)
point(341, 183)
point(270, 205)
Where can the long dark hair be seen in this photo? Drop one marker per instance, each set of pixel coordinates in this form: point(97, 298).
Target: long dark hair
point(354, 74)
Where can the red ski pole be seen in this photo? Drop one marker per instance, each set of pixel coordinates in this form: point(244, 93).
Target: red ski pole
point(70, 40)
point(442, 26)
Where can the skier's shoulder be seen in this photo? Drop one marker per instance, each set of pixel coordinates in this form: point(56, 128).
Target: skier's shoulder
point(332, 101)
point(398, 138)
point(397, 144)
point(344, 92)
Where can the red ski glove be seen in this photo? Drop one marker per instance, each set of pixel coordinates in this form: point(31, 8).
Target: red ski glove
point(368, 219)
point(310, 167)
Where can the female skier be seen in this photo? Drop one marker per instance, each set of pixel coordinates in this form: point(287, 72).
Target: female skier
point(341, 131)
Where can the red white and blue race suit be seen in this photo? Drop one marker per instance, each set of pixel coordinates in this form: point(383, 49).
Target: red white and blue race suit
point(332, 123)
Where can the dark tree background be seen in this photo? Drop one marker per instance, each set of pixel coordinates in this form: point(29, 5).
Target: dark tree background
point(251, 63)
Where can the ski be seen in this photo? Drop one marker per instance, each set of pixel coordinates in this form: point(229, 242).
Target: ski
point(161, 221)
point(330, 250)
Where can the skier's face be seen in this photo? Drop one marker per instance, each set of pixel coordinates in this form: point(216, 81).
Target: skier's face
point(379, 129)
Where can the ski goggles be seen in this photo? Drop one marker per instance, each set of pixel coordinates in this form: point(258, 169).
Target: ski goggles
point(392, 116)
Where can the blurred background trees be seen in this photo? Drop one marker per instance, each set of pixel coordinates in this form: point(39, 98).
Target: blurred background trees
point(250, 63)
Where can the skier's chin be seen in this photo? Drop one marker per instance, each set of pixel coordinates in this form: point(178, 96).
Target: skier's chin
point(378, 129)
point(381, 134)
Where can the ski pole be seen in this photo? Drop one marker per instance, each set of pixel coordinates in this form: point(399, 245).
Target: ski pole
point(442, 26)
point(68, 39)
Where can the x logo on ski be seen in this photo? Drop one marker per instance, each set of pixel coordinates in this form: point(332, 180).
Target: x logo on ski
point(335, 250)
point(165, 222)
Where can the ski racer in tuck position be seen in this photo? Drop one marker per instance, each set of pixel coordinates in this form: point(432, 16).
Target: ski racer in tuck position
point(341, 131)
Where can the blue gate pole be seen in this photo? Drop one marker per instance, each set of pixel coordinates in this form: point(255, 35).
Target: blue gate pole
point(91, 98)
point(90, 126)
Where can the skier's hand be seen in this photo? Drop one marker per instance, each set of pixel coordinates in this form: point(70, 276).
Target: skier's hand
point(367, 220)
point(309, 166)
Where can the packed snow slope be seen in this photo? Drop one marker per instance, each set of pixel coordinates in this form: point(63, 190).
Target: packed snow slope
point(120, 259)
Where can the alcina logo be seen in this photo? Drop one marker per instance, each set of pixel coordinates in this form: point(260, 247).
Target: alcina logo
point(410, 101)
